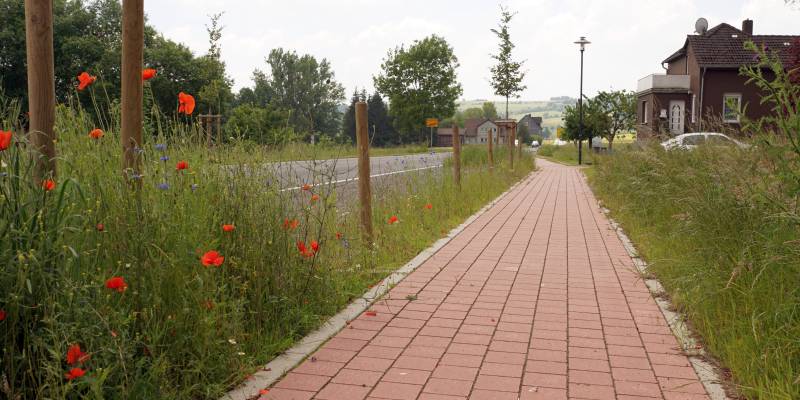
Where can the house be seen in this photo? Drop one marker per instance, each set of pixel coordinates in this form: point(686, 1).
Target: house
point(533, 124)
point(444, 137)
point(471, 130)
point(702, 88)
point(483, 132)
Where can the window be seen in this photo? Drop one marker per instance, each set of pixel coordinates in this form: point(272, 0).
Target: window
point(731, 107)
point(643, 117)
point(694, 140)
point(718, 140)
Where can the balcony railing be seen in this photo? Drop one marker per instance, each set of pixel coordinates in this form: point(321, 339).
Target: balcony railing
point(663, 82)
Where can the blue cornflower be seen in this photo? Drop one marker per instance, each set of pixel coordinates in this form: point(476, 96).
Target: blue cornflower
point(138, 150)
point(165, 158)
point(160, 146)
point(194, 186)
point(345, 243)
point(163, 186)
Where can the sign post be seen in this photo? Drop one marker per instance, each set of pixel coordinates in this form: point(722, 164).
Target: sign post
point(432, 123)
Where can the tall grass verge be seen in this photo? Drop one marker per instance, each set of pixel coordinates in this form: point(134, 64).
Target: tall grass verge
point(120, 273)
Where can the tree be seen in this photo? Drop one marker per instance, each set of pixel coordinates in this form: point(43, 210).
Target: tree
point(259, 124)
point(474, 112)
point(303, 85)
point(620, 109)
point(420, 82)
point(506, 74)
point(349, 118)
point(595, 121)
point(216, 94)
point(489, 110)
point(380, 123)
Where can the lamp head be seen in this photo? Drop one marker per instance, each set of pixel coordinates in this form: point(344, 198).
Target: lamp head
point(583, 42)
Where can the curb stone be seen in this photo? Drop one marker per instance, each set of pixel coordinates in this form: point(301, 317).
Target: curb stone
point(697, 354)
point(290, 358)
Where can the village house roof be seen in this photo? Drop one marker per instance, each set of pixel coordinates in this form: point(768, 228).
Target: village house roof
point(723, 46)
point(471, 126)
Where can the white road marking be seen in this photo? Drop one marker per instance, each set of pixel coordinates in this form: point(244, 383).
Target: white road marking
point(353, 179)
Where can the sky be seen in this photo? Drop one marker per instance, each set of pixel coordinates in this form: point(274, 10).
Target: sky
point(629, 38)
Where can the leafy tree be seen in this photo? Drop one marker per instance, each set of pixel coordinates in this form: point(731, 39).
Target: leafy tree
point(523, 133)
point(216, 94)
point(596, 121)
point(474, 112)
point(303, 85)
point(619, 108)
point(420, 82)
point(490, 111)
point(507, 75)
point(259, 124)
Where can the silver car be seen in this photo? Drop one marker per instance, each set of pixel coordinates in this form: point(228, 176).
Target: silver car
point(688, 141)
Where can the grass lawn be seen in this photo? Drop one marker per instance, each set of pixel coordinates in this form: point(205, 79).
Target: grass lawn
point(719, 228)
point(153, 294)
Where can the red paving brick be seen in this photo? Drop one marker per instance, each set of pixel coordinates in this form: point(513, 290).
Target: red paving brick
point(535, 299)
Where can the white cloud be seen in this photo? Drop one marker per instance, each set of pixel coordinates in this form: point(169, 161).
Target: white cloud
point(629, 38)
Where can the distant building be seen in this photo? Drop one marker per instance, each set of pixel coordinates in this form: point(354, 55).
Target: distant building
point(534, 124)
point(702, 86)
point(444, 137)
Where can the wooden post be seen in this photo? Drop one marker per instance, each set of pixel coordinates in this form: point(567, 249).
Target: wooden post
point(491, 156)
point(364, 190)
point(132, 61)
point(219, 130)
point(41, 85)
point(456, 157)
point(510, 136)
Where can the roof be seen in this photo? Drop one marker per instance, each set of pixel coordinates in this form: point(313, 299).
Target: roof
point(444, 131)
point(471, 126)
point(724, 46)
point(537, 120)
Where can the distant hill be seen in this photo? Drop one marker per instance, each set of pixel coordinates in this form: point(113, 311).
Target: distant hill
point(549, 110)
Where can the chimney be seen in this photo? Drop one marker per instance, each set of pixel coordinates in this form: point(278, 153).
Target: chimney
point(747, 27)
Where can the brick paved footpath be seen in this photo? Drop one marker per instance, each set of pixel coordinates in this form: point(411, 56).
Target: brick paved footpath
point(536, 299)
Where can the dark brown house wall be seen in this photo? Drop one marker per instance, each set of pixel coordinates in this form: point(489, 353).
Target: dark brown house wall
point(719, 82)
point(677, 67)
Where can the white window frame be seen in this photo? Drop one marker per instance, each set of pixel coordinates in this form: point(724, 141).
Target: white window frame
point(644, 112)
point(725, 97)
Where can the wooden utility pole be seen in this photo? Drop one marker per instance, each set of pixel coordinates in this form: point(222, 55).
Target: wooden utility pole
point(132, 61)
point(364, 190)
point(456, 157)
point(41, 85)
point(491, 156)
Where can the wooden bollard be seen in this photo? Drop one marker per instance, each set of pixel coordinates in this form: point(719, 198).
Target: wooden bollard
point(511, 137)
point(491, 156)
point(456, 157)
point(41, 85)
point(132, 90)
point(364, 190)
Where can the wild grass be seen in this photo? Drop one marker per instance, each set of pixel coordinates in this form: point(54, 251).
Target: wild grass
point(719, 227)
point(182, 330)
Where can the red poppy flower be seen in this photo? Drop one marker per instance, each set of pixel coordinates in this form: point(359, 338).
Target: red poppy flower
point(100, 227)
point(212, 258)
point(306, 187)
point(84, 80)
point(314, 197)
point(301, 247)
point(338, 235)
point(74, 373)
point(228, 227)
point(117, 283)
point(2, 315)
point(208, 304)
point(393, 219)
point(290, 224)
point(48, 185)
point(76, 355)
point(263, 391)
point(429, 206)
point(185, 103)
point(314, 246)
point(5, 140)
point(96, 133)
point(148, 73)
point(181, 165)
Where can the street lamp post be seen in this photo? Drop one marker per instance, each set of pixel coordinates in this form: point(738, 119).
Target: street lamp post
point(582, 42)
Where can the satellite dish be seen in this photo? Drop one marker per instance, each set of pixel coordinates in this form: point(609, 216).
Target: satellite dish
point(701, 26)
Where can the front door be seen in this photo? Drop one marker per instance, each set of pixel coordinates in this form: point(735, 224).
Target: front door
point(676, 116)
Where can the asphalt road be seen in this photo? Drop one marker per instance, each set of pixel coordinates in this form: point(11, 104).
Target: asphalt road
point(292, 175)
